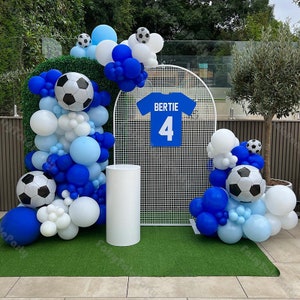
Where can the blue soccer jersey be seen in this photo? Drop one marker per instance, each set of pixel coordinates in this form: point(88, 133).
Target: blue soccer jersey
point(166, 112)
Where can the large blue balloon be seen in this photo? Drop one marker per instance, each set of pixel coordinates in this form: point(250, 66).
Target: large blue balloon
point(218, 178)
point(196, 207)
point(78, 175)
point(241, 152)
point(20, 226)
point(36, 84)
point(207, 224)
point(257, 228)
point(230, 233)
point(121, 52)
point(103, 32)
point(52, 75)
point(126, 85)
point(132, 68)
point(215, 199)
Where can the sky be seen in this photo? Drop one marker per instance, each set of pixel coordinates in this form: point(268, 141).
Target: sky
point(285, 9)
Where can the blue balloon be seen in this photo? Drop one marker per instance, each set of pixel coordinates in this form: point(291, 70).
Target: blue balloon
point(28, 161)
point(52, 75)
point(256, 161)
point(241, 152)
point(108, 140)
point(110, 71)
point(104, 155)
point(230, 233)
point(218, 178)
point(257, 228)
point(105, 98)
point(132, 68)
point(91, 51)
point(207, 224)
point(82, 146)
point(215, 199)
point(196, 207)
point(126, 85)
point(102, 218)
point(20, 226)
point(121, 52)
point(36, 84)
point(257, 207)
point(48, 103)
point(78, 52)
point(103, 32)
point(64, 162)
point(78, 175)
point(44, 143)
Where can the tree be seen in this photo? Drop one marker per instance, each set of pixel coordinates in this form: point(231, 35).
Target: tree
point(266, 76)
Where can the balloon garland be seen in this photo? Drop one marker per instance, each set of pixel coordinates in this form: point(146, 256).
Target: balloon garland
point(238, 205)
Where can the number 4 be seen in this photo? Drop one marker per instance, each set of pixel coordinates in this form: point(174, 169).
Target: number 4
point(167, 128)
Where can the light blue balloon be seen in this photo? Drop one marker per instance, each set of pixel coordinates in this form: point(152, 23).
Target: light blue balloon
point(230, 233)
point(47, 103)
point(103, 32)
point(95, 171)
point(91, 51)
point(257, 207)
point(85, 150)
point(257, 228)
point(78, 51)
point(45, 143)
point(39, 158)
point(104, 165)
point(99, 115)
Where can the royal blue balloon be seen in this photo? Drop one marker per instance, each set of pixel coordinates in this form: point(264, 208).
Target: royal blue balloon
point(52, 75)
point(110, 71)
point(88, 189)
point(102, 218)
point(126, 85)
point(28, 161)
point(195, 207)
point(256, 161)
point(78, 175)
point(132, 68)
point(64, 162)
point(20, 226)
point(36, 84)
point(207, 224)
point(104, 155)
point(121, 52)
point(105, 98)
point(218, 178)
point(215, 199)
point(107, 140)
point(241, 152)
point(103, 32)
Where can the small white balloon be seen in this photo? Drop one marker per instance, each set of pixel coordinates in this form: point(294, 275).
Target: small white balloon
point(274, 222)
point(52, 217)
point(42, 214)
point(141, 52)
point(280, 200)
point(63, 221)
point(69, 232)
point(289, 221)
point(59, 203)
point(48, 229)
point(156, 42)
point(132, 41)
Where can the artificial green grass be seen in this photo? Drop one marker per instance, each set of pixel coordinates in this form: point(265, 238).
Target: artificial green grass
point(162, 251)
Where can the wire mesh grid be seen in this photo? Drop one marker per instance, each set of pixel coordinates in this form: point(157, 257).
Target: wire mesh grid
point(170, 176)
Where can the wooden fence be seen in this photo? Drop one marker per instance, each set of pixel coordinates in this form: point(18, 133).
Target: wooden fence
point(285, 152)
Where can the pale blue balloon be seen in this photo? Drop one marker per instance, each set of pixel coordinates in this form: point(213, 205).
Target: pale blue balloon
point(45, 143)
point(85, 150)
point(95, 171)
point(91, 51)
point(99, 115)
point(104, 165)
point(47, 103)
point(78, 51)
point(257, 207)
point(39, 158)
point(257, 228)
point(230, 233)
point(103, 32)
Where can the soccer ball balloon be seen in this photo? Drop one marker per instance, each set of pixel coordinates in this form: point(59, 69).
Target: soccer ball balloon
point(84, 40)
point(74, 91)
point(143, 35)
point(254, 146)
point(35, 189)
point(245, 183)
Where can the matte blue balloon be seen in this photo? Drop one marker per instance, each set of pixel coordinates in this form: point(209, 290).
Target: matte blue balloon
point(230, 233)
point(241, 152)
point(110, 71)
point(126, 85)
point(103, 156)
point(20, 226)
point(64, 162)
point(91, 51)
point(103, 32)
point(78, 175)
point(195, 207)
point(102, 218)
point(132, 68)
point(52, 75)
point(85, 150)
point(256, 161)
point(257, 228)
point(215, 199)
point(44, 92)
point(257, 207)
point(44, 143)
point(121, 52)
point(105, 98)
point(218, 178)
point(78, 52)
point(28, 161)
point(108, 140)
point(48, 103)
point(207, 224)
point(35, 84)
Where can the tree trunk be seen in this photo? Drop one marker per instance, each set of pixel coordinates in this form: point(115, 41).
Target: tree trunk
point(267, 148)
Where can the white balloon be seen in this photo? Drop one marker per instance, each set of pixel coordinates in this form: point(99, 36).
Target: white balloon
point(43, 122)
point(84, 211)
point(223, 141)
point(141, 52)
point(289, 221)
point(103, 52)
point(156, 42)
point(82, 129)
point(274, 222)
point(68, 233)
point(63, 221)
point(132, 41)
point(280, 200)
point(48, 229)
point(42, 214)
point(64, 122)
point(59, 203)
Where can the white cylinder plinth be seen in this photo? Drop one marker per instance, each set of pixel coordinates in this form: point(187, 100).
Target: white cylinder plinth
point(123, 204)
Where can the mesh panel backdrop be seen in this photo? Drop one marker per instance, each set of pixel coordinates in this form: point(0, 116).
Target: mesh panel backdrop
point(170, 176)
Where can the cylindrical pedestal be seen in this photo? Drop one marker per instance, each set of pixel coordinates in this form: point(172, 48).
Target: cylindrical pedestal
point(123, 204)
